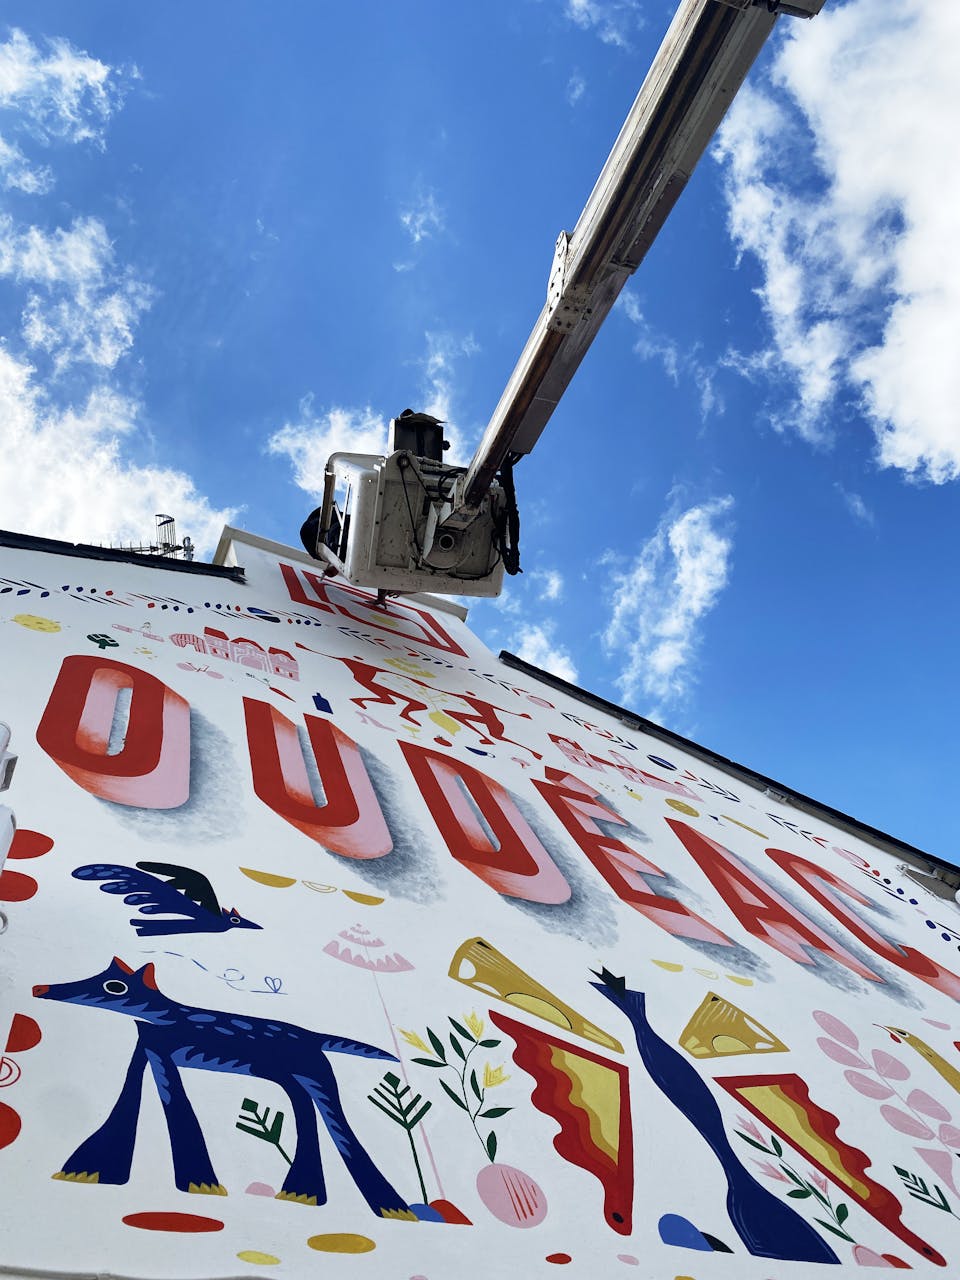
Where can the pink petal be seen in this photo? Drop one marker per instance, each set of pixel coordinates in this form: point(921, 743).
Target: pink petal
point(926, 1105)
point(949, 1135)
point(944, 1026)
point(750, 1127)
point(905, 1123)
point(869, 1087)
point(941, 1162)
point(834, 1027)
point(839, 1054)
point(867, 1258)
point(889, 1066)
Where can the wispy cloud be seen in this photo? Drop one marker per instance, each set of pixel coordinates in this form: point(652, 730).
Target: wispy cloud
point(855, 505)
point(659, 600)
point(57, 91)
point(678, 363)
point(81, 308)
point(536, 644)
point(549, 583)
point(314, 434)
point(423, 218)
point(614, 21)
point(576, 88)
point(861, 265)
point(67, 472)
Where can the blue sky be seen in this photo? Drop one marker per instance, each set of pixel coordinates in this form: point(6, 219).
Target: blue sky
point(237, 236)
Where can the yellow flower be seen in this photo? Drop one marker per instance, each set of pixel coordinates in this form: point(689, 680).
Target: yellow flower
point(411, 1037)
point(475, 1024)
point(492, 1076)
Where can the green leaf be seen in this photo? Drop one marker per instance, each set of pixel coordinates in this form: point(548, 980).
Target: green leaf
point(428, 1062)
point(836, 1230)
point(475, 1086)
point(843, 1213)
point(437, 1043)
point(457, 1048)
point(248, 1104)
point(759, 1145)
point(775, 1143)
point(800, 1193)
point(413, 1121)
point(791, 1174)
point(492, 1146)
point(387, 1111)
point(246, 1128)
point(275, 1129)
point(461, 1030)
point(488, 1044)
point(459, 1101)
point(495, 1113)
point(392, 1080)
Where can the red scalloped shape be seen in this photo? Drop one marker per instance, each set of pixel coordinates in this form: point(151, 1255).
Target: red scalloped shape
point(16, 887)
point(29, 844)
point(24, 1034)
point(161, 1221)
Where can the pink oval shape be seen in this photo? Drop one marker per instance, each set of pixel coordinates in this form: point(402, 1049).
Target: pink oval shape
point(890, 1067)
point(944, 1026)
point(904, 1123)
point(511, 1195)
point(834, 1027)
point(866, 1085)
point(949, 1135)
point(926, 1105)
point(840, 1054)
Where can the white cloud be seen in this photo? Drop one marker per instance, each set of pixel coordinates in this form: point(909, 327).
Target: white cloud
point(18, 174)
point(614, 21)
point(309, 441)
point(677, 363)
point(659, 600)
point(536, 645)
point(855, 505)
point(857, 245)
point(58, 93)
point(550, 584)
point(81, 308)
point(576, 88)
point(424, 218)
point(64, 474)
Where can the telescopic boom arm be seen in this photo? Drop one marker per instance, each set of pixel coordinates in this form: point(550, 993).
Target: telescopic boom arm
point(705, 55)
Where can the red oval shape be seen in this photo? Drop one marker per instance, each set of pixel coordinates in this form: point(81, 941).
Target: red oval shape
point(188, 1222)
point(29, 844)
point(559, 1258)
point(10, 1123)
point(24, 1034)
point(16, 887)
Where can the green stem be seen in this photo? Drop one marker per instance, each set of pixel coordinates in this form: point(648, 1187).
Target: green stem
point(416, 1161)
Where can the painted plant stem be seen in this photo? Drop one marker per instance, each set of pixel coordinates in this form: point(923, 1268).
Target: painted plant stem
point(392, 1099)
point(471, 1094)
point(261, 1126)
point(803, 1188)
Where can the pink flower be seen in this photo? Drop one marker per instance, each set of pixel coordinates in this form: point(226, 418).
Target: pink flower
point(818, 1180)
point(770, 1171)
point(751, 1128)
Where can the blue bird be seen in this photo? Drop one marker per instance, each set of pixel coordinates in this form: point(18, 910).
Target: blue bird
point(171, 891)
point(768, 1227)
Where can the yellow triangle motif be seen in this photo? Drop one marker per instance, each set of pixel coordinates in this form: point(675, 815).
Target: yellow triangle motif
point(719, 1029)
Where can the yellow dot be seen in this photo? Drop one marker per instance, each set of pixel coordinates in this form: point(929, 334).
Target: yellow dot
point(33, 623)
point(261, 1259)
point(341, 1242)
point(269, 878)
point(683, 808)
point(669, 966)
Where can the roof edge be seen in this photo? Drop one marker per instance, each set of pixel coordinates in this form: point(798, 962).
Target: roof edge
point(770, 787)
point(88, 551)
point(232, 534)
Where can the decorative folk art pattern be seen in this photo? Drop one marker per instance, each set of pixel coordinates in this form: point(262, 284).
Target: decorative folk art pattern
point(414, 960)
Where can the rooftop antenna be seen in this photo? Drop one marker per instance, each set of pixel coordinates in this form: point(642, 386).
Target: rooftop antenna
point(166, 543)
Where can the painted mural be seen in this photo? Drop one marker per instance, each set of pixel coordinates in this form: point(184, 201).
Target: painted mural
point(329, 934)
